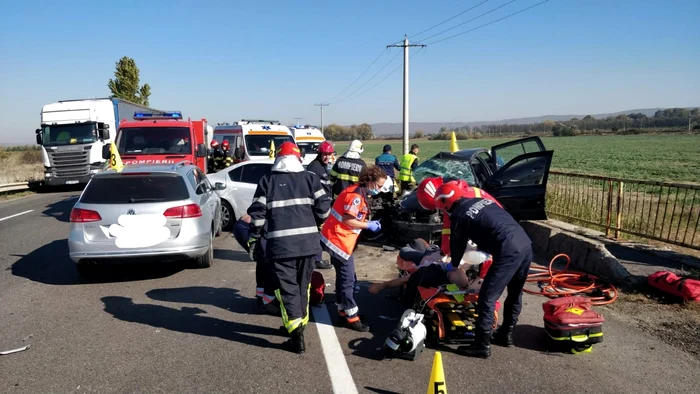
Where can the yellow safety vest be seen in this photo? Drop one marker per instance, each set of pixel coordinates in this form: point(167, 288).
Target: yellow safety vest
point(405, 174)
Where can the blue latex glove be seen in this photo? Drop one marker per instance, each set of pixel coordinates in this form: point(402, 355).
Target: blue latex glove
point(374, 226)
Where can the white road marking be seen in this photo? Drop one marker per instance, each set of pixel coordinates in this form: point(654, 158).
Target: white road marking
point(341, 379)
point(15, 215)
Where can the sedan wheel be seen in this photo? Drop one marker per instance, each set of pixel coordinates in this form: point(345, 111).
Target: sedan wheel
point(226, 216)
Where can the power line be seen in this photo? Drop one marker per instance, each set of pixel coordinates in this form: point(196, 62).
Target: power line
point(447, 20)
point(490, 23)
point(380, 81)
point(470, 20)
point(358, 78)
point(369, 80)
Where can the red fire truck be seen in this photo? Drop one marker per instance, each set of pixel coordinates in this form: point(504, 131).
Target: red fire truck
point(161, 138)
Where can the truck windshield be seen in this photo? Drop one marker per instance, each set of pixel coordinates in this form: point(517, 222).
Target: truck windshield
point(154, 140)
point(68, 134)
point(259, 144)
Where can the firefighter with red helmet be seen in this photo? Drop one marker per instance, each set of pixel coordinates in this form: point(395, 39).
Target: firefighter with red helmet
point(216, 157)
point(494, 230)
point(228, 154)
point(319, 166)
point(290, 204)
point(426, 198)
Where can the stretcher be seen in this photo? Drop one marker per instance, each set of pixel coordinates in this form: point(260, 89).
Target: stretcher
point(449, 311)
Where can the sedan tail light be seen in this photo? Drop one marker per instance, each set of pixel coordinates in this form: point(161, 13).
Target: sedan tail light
point(79, 215)
point(183, 212)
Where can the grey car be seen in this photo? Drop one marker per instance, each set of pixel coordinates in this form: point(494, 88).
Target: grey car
point(146, 212)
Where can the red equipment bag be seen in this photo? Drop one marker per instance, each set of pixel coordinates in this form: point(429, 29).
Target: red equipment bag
point(318, 288)
point(679, 286)
point(570, 310)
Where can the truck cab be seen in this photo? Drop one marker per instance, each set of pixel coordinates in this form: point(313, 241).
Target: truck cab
point(73, 134)
point(161, 138)
point(253, 139)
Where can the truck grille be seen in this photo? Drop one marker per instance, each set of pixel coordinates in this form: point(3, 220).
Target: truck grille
point(70, 164)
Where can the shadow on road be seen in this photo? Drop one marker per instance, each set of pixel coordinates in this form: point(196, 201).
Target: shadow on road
point(43, 189)
point(224, 298)
point(535, 338)
point(51, 265)
point(187, 320)
point(61, 209)
point(379, 391)
point(638, 255)
point(232, 255)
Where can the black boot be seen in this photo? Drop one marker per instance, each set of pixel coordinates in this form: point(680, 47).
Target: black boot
point(504, 336)
point(480, 348)
point(296, 343)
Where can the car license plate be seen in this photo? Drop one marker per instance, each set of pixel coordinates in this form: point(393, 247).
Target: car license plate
point(71, 182)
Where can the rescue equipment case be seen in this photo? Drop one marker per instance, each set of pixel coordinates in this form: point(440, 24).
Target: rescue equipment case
point(318, 288)
point(571, 321)
point(678, 286)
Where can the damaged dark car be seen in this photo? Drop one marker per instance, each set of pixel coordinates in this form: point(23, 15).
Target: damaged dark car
point(515, 173)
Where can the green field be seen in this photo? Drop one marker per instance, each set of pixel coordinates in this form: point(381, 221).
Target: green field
point(645, 157)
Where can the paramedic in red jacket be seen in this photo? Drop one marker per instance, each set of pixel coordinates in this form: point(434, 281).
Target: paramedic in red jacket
point(349, 216)
point(426, 198)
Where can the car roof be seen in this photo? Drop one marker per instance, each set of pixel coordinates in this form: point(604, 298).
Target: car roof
point(162, 168)
point(464, 154)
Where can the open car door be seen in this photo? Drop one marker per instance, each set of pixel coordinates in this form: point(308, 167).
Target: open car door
point(521, 184)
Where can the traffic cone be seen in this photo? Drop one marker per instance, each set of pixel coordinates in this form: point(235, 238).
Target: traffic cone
point(453, 143)
point(437, 377)
point(115, 161)
point(272, 149)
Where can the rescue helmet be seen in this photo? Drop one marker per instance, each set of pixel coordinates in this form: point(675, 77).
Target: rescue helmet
point(447, 194)
point(326, 147)
point(426, 192)
point(289, 148)
point(224, 144)
point(356, 146)
point(214, 143)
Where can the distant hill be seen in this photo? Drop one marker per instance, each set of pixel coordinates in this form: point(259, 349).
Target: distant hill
point(434, 127)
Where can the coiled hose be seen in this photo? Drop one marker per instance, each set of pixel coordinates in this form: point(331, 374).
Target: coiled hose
point(558, 283)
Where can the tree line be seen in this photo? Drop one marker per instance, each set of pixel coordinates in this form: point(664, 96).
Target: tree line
point(336, 132)
point(663, 120)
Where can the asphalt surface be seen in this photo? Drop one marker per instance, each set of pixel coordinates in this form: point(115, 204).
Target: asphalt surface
point(174, 329)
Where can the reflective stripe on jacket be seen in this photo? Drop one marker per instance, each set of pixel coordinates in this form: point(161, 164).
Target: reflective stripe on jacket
point(338, 238)
point(346, 172)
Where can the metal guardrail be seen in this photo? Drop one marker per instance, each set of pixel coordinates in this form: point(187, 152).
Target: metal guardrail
point(662, 211)
point(11, 187)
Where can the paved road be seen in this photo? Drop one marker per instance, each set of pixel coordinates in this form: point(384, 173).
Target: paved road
point(172, 329)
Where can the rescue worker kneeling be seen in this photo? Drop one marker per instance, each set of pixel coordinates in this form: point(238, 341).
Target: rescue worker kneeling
point(495, 232)
point(349, 216)
point(291, 203)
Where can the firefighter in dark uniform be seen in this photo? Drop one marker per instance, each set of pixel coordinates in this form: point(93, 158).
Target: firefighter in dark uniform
point(319, 166)
point(291, 204)
point(346, 170)
point(216, 157)
point(228, 154)
point(497, 233)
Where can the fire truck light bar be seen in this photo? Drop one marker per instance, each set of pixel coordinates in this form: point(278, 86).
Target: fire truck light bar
point(158, 115)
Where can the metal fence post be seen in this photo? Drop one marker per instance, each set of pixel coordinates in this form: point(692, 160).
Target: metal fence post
point(610, 202)
point(618, 224)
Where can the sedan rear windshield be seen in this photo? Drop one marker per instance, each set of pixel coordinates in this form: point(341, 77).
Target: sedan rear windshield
point(125, 189)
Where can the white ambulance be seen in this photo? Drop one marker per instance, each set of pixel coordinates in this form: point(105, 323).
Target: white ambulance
point(308, 138)
point(253, 139)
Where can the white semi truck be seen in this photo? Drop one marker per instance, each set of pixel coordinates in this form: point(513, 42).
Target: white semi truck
point(73, 133)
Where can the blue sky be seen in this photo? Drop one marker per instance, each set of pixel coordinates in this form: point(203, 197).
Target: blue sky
point(227, 60)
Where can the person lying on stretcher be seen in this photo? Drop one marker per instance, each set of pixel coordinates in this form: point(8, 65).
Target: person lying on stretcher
point(435, 270)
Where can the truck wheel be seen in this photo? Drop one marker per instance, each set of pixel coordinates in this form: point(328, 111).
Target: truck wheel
point(227, 216)
point(205, 260)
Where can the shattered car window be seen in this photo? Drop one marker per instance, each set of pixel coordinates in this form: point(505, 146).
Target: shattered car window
point(446, 168)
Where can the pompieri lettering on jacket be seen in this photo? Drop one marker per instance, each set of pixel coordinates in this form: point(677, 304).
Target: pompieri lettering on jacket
point(346, 165)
